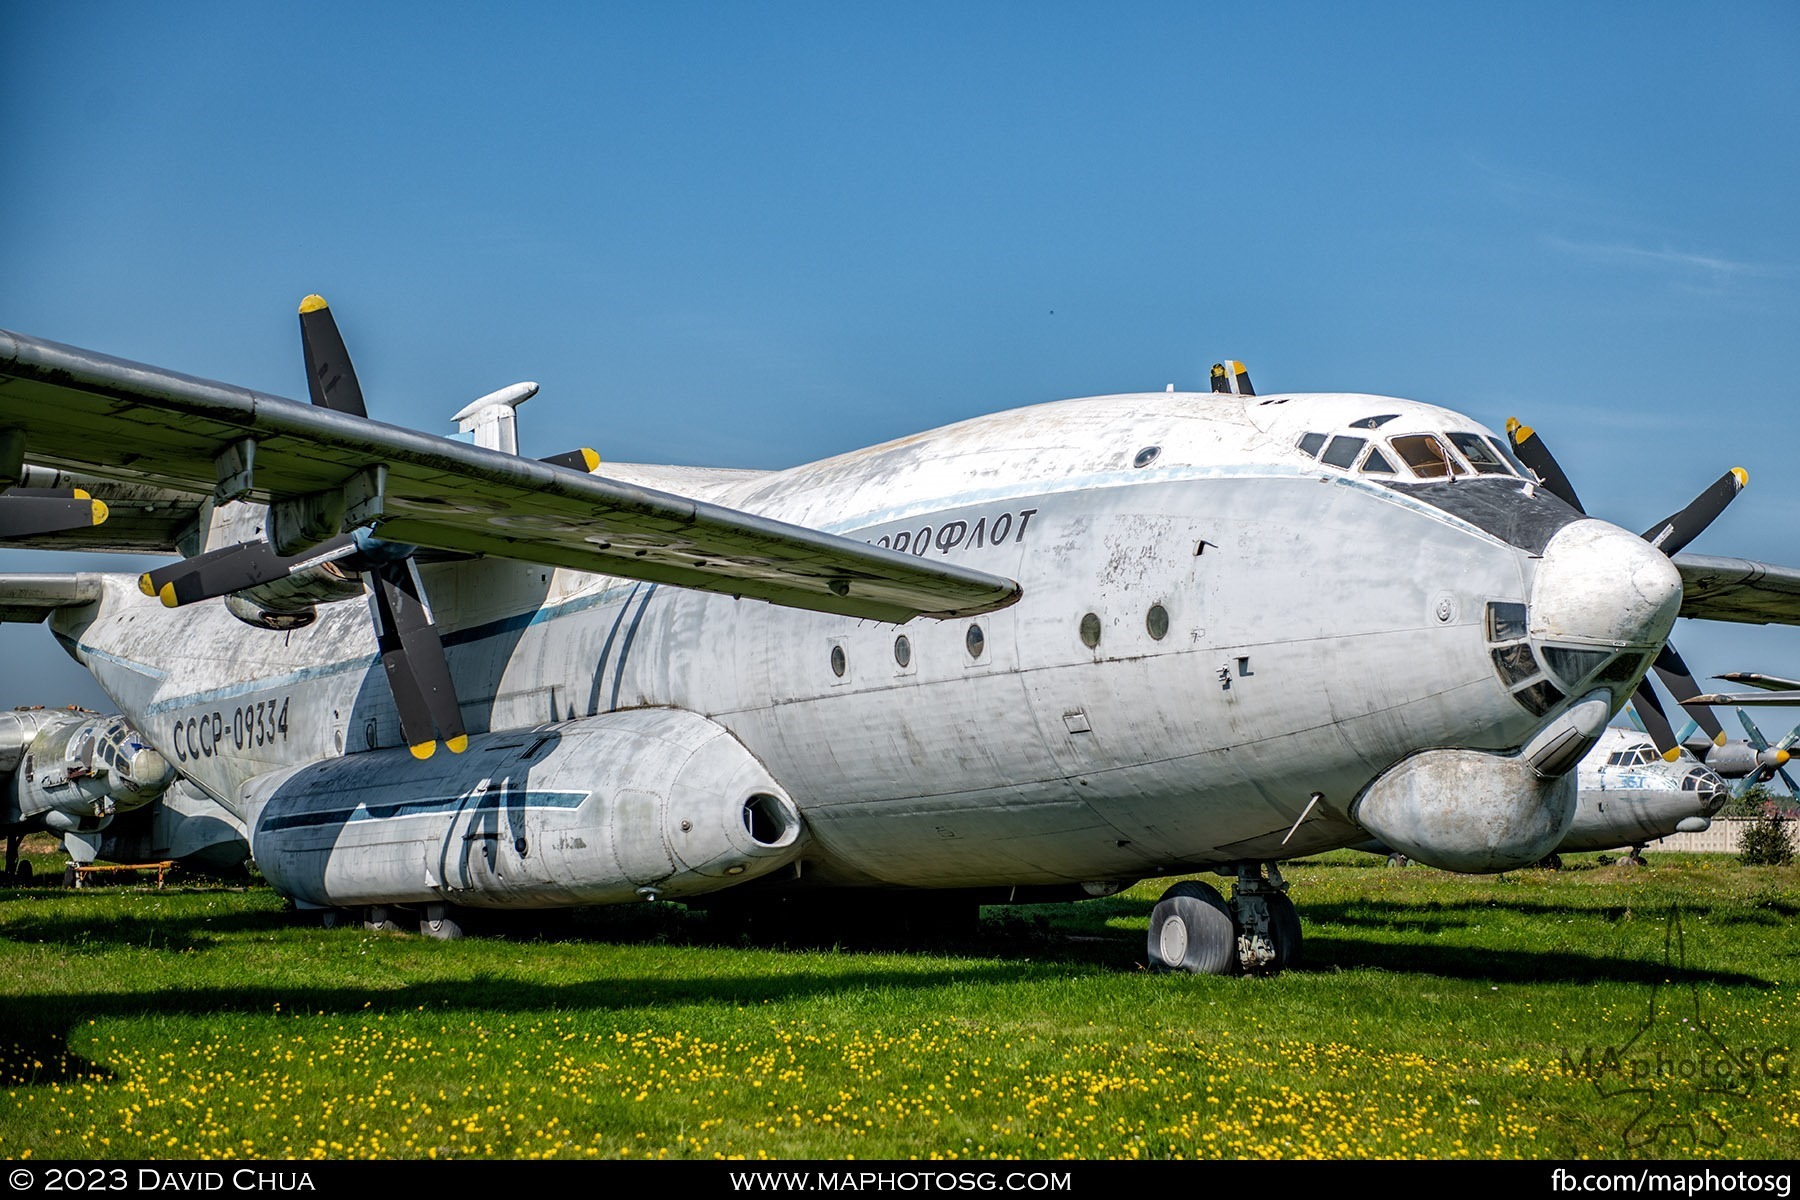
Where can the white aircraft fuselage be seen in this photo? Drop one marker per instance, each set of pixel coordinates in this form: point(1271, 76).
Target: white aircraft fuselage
point(1215, 628)
point(1630, 796)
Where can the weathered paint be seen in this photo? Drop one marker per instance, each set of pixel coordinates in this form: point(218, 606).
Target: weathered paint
point(1321, 628)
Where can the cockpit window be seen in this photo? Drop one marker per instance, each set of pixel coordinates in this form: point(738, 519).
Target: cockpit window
point(1310, 444)
point(1377, 463)
point(1373, 422)
point(1481, 456)
point(1506, 453)
point(1425, 455)
point(1343, 451)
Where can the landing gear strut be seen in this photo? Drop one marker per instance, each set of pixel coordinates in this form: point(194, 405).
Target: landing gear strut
point(1194, 929)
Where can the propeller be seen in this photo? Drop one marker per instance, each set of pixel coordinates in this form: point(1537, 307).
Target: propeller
point(1774, 758)
point(412, 652)
point(1669, 535)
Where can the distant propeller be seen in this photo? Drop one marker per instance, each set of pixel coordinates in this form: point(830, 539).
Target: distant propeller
point(1669, 536)
point(1774, 758)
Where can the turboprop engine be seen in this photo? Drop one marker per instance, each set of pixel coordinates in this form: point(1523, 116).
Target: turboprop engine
point(71, 771)
point(644, 803)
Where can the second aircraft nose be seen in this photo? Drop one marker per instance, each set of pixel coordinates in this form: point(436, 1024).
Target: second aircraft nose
point(1603, 586)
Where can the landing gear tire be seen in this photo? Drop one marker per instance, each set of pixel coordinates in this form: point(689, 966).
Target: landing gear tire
point(436, 922)
point(378, 918)
point(1551, 862)
point(1191, 930)
point(1635, 858)
point(1284, 928)
point(1397, 859)
point(71, 879)
point(330, 918)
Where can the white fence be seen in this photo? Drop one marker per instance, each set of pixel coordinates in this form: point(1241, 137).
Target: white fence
point(1722, 838)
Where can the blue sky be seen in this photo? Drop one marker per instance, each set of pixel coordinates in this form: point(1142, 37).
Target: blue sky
point(760, 234)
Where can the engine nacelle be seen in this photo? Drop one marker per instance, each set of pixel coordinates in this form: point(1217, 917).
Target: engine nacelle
point(289, 602)
point(646, 803)
point(71, 771)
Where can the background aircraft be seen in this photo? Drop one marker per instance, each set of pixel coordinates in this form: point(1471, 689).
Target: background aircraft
point(1137, 635)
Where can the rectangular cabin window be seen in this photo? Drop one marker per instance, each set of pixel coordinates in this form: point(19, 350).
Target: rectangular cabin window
point(1310, 444)
point(1425, 455)
point(1481, 456)
point(1343, 451)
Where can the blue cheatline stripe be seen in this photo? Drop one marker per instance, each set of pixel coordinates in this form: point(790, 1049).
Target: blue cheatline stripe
point(494, 800)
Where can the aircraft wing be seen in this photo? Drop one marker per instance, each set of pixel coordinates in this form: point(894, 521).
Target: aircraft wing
point(31, 598)
point(1738, 589)
point(97, 415)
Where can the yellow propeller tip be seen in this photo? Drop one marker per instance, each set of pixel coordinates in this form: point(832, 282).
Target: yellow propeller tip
point(145, 586)
point(99, 511)
point(1720, 740)
point(591, 458)
point(1671, 754)
point(312, 304)
point(1743, 477)
point(423, 750)
point(457, 744)
point(1520, 434)
point(82, 495)
point(1781, 758)
point(168, 595)
point(1512, 423)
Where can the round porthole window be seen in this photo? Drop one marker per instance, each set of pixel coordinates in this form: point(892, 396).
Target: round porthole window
point(902, 650)
point(1157, 621)
point(1146, 456)
point(838, 662)
point(1090, 630)
point(976, 641)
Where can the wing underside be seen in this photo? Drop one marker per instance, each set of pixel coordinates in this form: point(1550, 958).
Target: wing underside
point(179, 439)
point(1738, 589)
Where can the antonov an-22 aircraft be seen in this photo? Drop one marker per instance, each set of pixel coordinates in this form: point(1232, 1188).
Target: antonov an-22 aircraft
point(1034, 655)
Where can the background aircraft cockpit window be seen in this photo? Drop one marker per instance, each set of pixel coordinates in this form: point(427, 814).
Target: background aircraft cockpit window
point(1619, 758)
point(1343, 451)
point(1481, 456)
point(1424, 454)
point(1310, 444)
point(1377, 463)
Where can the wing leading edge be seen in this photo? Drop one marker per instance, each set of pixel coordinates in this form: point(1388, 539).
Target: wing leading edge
point(1738, 589)
point(83, 411)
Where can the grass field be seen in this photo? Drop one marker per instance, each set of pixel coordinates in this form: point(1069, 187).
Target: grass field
point(1435, 1015)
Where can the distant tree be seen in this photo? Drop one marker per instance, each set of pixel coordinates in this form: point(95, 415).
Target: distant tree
point(1766, 842)
point(1751, 802)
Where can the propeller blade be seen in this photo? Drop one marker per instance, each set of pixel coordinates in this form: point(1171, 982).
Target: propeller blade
point(1755, 735)
point(329, 376)
point(1680, 681)
point(1655, 721)
point(1533, 453)
point(1672, 533)
point(234, 568)
point(32, 512)
point(413, 656)
point(583, 460)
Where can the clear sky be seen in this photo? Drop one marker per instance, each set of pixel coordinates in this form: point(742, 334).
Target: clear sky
point(758, 234)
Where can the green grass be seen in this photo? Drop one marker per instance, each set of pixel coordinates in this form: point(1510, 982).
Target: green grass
point(1431, 1018)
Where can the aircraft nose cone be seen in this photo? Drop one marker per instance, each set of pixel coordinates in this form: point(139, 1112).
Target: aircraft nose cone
point(1602, 585)
point(149, 771)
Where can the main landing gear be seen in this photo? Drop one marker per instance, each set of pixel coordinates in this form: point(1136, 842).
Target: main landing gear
point(1193, 928)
